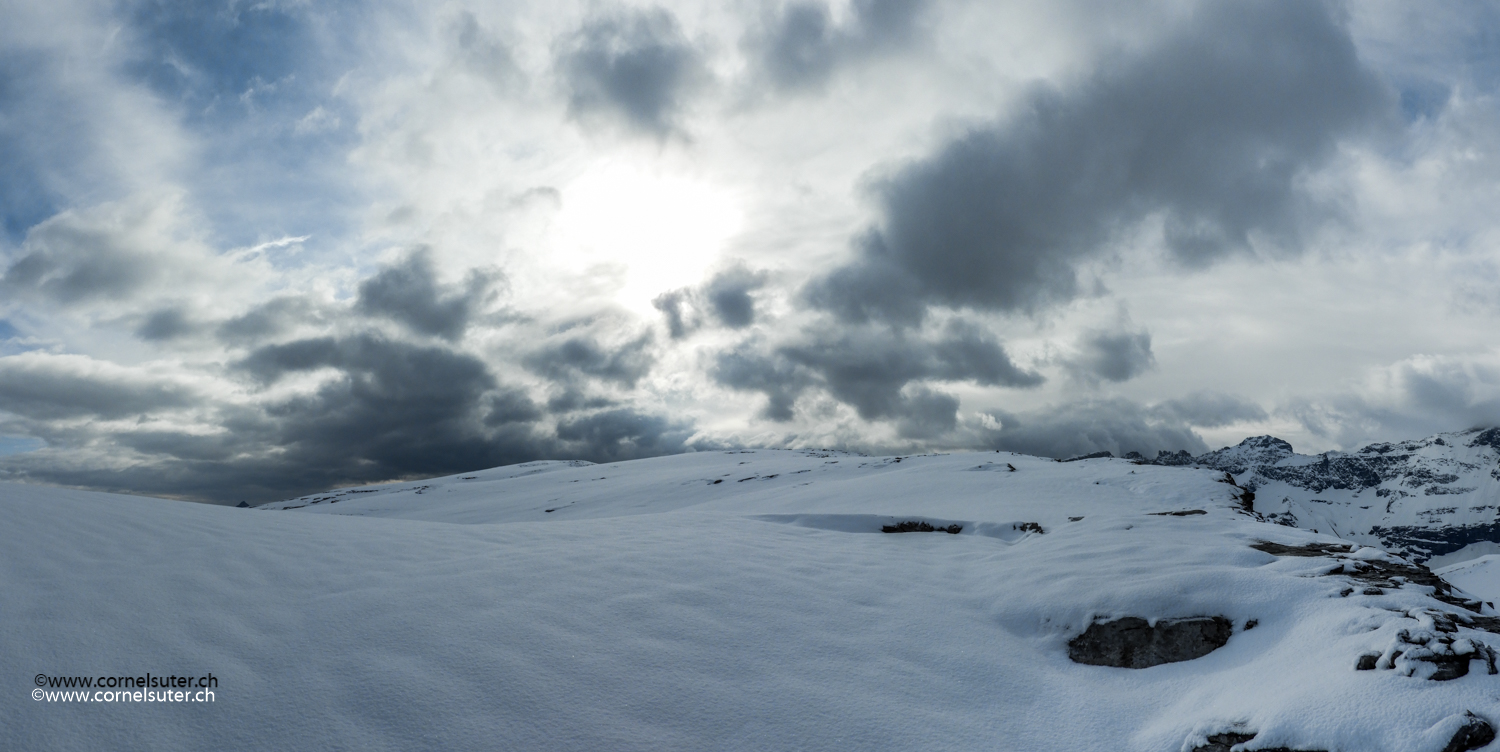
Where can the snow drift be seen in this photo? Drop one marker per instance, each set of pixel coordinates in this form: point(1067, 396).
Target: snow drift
point(739, 600)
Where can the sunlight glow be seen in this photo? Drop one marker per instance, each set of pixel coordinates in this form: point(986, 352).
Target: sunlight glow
point(664, 230)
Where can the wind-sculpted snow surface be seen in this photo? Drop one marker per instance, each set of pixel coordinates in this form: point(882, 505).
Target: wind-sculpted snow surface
point(1434, 497)
point(739, 601)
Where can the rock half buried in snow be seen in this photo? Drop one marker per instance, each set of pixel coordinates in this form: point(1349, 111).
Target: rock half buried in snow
point(920, 526)
point(1225, 742)
point(1473, 734)
point(1132, 642)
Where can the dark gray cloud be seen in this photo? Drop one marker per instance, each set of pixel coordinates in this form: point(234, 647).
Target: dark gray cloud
point(572, 399)
point(509, 406)
point(579, 355)
point(385, 409)
point(1211, 410)
point(634, 65)
point(1113, 355)
point(408, 292)
point(165, 324)
point(676, 307)
point(398, 408)
point(728, 296)
point(802, 46)
point(270, 319)
point(748, 368)
point(65, 387)
point(69, 259)
point(625, 434)
point(1211, 129)
point(875, 370)
point(927, 414)
point(1117, 426)
point(726, 299)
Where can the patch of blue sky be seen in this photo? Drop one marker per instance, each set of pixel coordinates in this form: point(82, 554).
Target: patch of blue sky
point(19, 445)
point(1424, 99)
point(13, 342)
point(45, 147)
point(245, 78)
point(1481, 47)
point(217, 58)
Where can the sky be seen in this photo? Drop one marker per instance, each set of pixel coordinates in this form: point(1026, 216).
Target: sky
point(252, 250)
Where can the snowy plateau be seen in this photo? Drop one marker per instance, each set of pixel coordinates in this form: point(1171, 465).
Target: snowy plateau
point(1245, 599)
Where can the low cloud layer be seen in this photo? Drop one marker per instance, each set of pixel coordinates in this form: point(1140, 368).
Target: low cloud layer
point(882, 374)
point(1116, 426)
point(374, 405)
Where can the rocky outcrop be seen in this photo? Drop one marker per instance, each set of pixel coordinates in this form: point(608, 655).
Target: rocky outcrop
point(1419, 498)
point(920, 526)
point(1133, 642)
point(1376, 573)
point(1173, 459)
point(1093, 456)
point(1225, 742)
point(1473, 733)
point(1255, 451)
point(1432, 648)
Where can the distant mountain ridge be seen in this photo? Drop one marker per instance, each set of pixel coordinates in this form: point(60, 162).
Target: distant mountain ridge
point(1421, 498)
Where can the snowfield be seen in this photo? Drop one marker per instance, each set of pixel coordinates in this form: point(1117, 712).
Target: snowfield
point(731, 601)
point(1436, 498)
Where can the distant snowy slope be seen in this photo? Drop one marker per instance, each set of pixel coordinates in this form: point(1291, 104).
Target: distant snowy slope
point(968, 486)
point(1479, 576)
point(1422, 498)
point(738, 601)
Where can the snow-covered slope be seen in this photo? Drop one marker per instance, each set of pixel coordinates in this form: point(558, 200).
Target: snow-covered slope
point(1434, 497)
point(738, 600)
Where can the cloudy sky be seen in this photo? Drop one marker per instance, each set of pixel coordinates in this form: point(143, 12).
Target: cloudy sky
point(257, 249)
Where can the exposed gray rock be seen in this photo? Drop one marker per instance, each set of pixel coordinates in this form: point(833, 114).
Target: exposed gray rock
point(1173, 459)
point(1475, 733)
point(1223, 742)
point(1132, 642)
point(1419, 498)
point(917, 526)
point(1376, 574)
point(1252, 452)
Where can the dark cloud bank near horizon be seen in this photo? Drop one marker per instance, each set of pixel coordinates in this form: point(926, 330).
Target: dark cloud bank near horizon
point(1210, 131)
point(402, 404)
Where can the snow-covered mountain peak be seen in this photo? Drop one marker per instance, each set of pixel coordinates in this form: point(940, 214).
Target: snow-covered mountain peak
point(1252, 452)
point(1423, 498)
